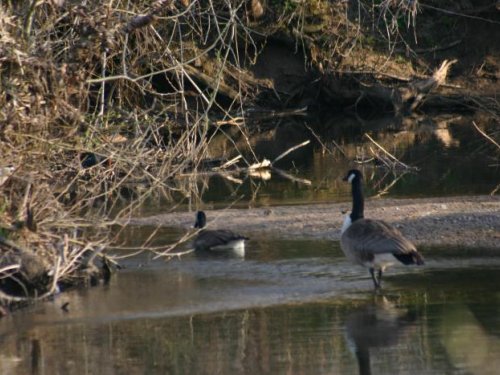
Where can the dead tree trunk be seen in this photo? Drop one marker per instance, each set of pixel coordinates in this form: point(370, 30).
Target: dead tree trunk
point(406, 99)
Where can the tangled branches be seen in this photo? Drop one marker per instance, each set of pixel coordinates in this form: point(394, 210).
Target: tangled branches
point(101, 102)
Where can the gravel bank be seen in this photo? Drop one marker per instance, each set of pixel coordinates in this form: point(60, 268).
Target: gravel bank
point(472, 221)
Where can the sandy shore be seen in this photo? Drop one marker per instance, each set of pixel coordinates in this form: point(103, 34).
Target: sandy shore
point(471, 221)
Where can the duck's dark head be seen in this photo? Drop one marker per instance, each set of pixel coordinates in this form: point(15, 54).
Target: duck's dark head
point(201, 220)
point(353, 175)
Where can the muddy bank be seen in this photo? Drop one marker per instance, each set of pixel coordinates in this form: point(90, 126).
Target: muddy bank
point(458, 221)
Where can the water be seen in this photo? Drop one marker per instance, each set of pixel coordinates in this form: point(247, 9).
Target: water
point(452, 158)
point(294, 307)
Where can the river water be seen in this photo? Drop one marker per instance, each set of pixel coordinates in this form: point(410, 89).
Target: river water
point(288, 306)
point(447, 156)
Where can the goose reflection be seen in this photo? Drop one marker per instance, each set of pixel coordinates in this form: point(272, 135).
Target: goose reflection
point(378, 324)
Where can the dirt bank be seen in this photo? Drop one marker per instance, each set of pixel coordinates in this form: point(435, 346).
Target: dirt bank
point(459, 221)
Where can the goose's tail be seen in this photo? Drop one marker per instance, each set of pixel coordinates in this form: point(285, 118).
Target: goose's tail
point(412, 257)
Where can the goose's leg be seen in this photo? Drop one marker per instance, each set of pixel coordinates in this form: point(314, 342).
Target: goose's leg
point(375, 281)
point(380, 278)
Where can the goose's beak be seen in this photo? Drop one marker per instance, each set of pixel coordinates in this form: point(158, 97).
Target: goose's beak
point(345, 178)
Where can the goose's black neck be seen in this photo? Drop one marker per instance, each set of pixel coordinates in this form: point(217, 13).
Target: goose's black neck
point(357, 200)
point(201, 220)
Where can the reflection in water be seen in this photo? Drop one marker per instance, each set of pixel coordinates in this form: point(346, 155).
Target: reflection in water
point(290, 307)
point(36, 356)
point(378, 324)
point(452, 157)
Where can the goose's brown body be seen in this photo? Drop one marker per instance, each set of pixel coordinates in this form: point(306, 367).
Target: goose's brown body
point(374, 244)
point(217, 240)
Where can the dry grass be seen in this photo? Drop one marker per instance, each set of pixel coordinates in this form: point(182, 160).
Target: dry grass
point(119, 83)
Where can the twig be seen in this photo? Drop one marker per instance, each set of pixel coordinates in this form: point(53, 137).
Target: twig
point(235, 121)
point(386, 189)
point(178, 254)
point(228, 163)
point(290, 150)
point(231, 178)
point(323, 145)
point(494, 191)
point(460, 14)
point(291, 177)
point(169, 248)
point(10, 268)
point(439, 48)
point(486, 135)
point(388, 153)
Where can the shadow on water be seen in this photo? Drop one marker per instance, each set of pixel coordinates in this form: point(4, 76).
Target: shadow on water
point(289, 307)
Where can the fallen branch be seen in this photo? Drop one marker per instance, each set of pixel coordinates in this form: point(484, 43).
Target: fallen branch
point(228, 163)
point(386, 189)
point(291, 177)
point(168, 249)
point(229, 177)
point(323, 145)
point(281, 156)
point(261, 165)
point(391, 156)
point(485, 135)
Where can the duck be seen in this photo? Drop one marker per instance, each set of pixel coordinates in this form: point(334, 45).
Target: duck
point(217, 240)
point(373, 244)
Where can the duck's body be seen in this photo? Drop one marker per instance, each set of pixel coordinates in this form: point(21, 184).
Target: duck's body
point(217, 240)
point(374, 244)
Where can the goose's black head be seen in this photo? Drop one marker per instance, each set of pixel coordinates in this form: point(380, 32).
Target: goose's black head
point(353, 176)
point(201, 220)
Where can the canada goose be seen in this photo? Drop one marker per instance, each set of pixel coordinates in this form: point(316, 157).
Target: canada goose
point(373, 243)
point(217, 240)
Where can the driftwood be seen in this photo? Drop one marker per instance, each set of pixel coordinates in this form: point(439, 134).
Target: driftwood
point(406, 99)
point(403, 99)
point(414, 95)
point(261, 170)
